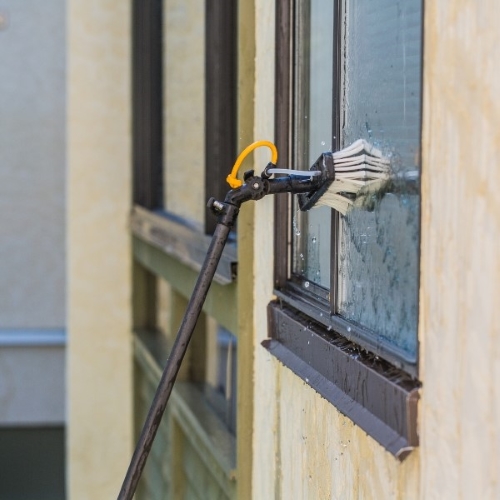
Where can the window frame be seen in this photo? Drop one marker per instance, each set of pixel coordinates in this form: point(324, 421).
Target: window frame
point(324, 349)
point(176, 236)
point(320, 304)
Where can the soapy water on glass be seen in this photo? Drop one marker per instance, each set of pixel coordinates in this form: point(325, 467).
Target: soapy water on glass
point(295, 224)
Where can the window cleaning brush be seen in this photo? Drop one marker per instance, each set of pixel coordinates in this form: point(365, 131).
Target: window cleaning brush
point(334, 180)
point(354, 171)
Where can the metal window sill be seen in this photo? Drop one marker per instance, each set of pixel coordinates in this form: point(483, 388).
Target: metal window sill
point(379, 398)
point(201, 426)
point(221, 301)
point(182, 240)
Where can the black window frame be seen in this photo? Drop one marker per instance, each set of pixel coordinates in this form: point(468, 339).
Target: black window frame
point(147, 103)
point(376, 387)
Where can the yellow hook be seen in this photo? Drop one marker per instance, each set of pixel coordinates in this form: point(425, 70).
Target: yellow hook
point(231, 178)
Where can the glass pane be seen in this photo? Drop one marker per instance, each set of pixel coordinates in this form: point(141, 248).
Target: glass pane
point(221, 373)
point(311, 231)
point(378, 258)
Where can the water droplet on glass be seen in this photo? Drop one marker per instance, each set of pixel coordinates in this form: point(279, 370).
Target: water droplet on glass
point(368, 129)
point(302, 256)
point(348, 328)
point(306, 284)
point(295, 225)
point(314, 240)
point(323, 143)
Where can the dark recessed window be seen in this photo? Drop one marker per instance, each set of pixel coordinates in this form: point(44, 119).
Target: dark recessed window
point(184, 107)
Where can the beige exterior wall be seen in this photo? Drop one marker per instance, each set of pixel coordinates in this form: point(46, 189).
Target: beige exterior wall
point(99, 441)
point(301, 446)
point(460, 273)
point(304, 448)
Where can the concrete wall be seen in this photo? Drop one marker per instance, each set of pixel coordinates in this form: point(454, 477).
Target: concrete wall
point(32, 164)
point(32, 381)
point(99, 443)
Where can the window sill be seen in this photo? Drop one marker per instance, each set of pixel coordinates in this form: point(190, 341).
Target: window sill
point(377, 397)
point(201, 426)
point(182, 240)
point(312, 307)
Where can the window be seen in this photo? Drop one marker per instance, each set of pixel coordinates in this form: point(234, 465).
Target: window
point(220, 373)
point(349, 284)
point(184, 104)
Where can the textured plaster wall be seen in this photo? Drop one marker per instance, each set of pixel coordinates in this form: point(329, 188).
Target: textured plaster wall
point(99, 441)
point(32, 164)
point(305, 448)
point(184, 108)
point(460, 264)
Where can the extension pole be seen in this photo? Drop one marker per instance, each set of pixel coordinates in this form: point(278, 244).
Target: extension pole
point(254, 188)
point(171, 370)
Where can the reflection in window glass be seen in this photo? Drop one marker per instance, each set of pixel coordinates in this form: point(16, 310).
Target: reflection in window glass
point(220, 387)
point(378, 282)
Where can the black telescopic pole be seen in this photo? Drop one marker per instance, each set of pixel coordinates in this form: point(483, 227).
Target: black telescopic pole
point(228, 216)
point(254, 188)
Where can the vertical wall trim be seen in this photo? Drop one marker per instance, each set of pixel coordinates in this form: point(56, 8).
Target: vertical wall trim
point(147, 98)
point(99, 362)
point(220, 98)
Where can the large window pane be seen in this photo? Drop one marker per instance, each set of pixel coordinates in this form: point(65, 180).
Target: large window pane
point(378, 257)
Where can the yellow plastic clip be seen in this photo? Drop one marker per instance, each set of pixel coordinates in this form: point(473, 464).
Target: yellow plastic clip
point(231, 178)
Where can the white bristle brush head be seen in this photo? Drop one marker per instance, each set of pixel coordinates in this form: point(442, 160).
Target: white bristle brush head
point(358, 167)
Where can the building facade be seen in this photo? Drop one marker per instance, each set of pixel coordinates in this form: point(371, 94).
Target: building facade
point(337, 356)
